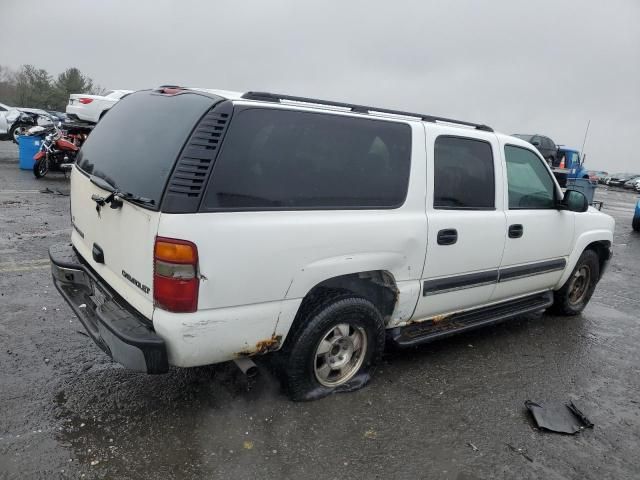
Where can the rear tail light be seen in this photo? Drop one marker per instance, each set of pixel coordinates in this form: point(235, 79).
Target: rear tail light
point(175, 275)
point(562, 163)
point(84, 101)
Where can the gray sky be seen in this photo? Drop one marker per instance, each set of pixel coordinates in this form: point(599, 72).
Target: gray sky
point(528, 67)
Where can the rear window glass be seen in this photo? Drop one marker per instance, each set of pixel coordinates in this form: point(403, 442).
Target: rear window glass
point(463, 174)
point(135, 147)
point(280, 159)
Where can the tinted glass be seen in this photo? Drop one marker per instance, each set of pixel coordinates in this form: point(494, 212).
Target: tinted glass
point(135, 147)
point(574, 159)
point(530, 184)
point(526, 138)
point(279, 159)
point(464, 176)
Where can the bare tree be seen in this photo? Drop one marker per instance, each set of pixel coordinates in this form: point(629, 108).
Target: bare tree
point(34, 87)
point(7, 85)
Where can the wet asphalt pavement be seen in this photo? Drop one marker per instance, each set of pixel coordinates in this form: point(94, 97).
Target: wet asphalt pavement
point(452, 409)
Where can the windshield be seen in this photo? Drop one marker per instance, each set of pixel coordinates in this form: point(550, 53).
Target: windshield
point(135, 147)
point(574, 158)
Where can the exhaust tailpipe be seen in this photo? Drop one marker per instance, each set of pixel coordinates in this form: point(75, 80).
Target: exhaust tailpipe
point(246, 366)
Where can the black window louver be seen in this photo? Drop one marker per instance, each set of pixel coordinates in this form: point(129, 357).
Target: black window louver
point(189, 178)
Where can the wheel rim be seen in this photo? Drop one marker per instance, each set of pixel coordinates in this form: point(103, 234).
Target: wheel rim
point(18, 131)
point(43, 167)
point(339, 354)
point(579, 285)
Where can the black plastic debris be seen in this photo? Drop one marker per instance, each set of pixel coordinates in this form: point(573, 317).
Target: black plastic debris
point(565, 418)
point(54, 192)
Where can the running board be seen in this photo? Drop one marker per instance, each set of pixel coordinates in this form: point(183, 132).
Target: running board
point(444, 326)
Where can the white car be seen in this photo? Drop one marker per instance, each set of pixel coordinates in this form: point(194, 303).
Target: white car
point(7, 117)
point(15, 121)
point(235, 225)
point(91, 108)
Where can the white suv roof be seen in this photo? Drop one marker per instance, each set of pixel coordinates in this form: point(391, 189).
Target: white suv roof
point(270, 98)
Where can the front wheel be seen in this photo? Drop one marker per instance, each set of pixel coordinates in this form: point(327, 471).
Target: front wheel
point(333, 348)
point(41, 167)
point(16, 130)
point(575, 294)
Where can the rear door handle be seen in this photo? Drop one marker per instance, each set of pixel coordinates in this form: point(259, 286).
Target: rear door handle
point(448, 236)
point(516, 230)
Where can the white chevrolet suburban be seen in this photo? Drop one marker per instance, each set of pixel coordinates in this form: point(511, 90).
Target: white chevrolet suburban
point(230, 225)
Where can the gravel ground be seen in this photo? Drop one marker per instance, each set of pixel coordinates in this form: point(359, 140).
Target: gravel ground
point(452, 409)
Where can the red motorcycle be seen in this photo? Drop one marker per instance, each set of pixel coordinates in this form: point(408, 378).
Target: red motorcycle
point(56, 153)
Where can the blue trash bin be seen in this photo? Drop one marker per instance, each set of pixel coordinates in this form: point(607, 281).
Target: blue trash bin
point(28, 146)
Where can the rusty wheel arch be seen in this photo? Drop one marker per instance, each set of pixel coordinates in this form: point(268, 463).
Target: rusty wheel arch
point(377, 286)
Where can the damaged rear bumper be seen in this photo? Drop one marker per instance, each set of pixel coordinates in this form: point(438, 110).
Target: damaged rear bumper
point(115, 326)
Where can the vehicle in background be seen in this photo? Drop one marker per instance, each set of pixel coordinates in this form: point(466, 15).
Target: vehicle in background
point(15, 121)
point(5, 113)
point(58, 116)
point(569, 164)
point(597, 175)
point(608, 178)
point(56, 152)
point(632, 183)
point(91, 108)
point(547, 147)
point(620, 179)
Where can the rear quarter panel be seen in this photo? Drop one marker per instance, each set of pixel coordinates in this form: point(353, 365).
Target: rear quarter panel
point(257, 266)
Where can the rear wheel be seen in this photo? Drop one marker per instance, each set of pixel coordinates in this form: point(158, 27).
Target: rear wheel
point(575, 294)
point(636, 223)
point(332, 348)
point(41, 167)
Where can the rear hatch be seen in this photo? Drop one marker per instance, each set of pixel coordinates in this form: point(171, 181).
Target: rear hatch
point(132, 151)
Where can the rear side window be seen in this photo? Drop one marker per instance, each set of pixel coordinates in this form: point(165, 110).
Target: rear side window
point(135, 147)
point(282, 159)
point(463, 174)
point(530, 184)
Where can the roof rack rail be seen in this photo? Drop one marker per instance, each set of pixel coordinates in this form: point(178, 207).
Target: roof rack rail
point(275, 98)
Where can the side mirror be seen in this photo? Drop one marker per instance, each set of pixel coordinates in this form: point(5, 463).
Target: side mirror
point(574, 201)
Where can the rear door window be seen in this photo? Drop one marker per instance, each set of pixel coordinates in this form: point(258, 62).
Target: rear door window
point(530, 183)
point(135, 147)
point(283, 159)
point(464, 175)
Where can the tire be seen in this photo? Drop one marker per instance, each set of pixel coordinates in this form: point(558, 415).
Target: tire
point(332, 347)
point(575, 294)
point(16, 130)
point(41, 168)
point(636, 223)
